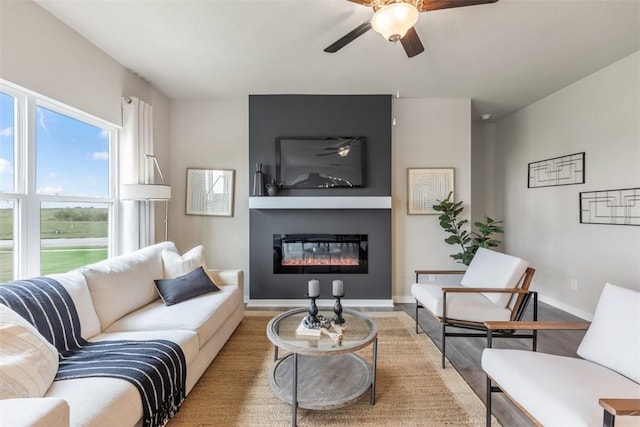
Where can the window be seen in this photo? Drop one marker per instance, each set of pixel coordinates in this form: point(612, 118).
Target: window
point(57, 197)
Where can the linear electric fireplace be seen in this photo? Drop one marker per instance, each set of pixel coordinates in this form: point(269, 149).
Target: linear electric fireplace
point(320, 253)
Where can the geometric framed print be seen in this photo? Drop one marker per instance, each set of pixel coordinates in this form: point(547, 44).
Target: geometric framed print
point(210, 192)
point(564, 170)
point(426, 187)
point(614, 207)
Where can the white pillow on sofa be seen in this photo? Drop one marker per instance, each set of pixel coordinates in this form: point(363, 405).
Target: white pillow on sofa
point(613, 339)
point(28, 362)
point(124, 283)
point(176, 265)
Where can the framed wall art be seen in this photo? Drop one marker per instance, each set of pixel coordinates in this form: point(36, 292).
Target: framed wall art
point(564, 170)
point(426, 186)
point(613, 207)
point(210, 192)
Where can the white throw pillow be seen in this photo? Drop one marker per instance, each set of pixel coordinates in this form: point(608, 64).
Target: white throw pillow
point(613, 339)
point(176, 265)
point(76, 285)
point(28, 362)
point(125, 283)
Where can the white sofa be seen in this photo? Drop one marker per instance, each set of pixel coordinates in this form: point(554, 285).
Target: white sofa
point(565, 391)
point(117, 299)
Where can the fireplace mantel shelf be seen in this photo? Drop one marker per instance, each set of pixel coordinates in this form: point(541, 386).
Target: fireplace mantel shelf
point(327, 202)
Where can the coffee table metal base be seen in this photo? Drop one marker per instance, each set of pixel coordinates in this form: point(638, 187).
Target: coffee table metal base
point(323, 382)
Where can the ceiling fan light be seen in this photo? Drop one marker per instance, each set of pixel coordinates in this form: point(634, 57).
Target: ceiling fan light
point(394, 20)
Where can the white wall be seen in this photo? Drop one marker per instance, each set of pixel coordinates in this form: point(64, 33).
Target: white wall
point(430, 133)
point(212, 134)
point(599, 115)
point(40, 53)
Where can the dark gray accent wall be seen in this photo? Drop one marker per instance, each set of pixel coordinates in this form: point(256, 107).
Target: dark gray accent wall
point(272, 116)
point(376, 223)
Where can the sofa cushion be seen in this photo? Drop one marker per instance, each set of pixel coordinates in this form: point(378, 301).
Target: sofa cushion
point(175, 265)
point(75, 283)
point(490, 269)
point(558, 390)
point(187, 286)
point(105, 401)
point(41, 412)
point(122, 284)
point(99, 401)
point(203, 314)
point(613, 339)
point(28, 362)
point(472, 307)
point(187, 340)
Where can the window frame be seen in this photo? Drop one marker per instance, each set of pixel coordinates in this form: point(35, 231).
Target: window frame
point(27, 203)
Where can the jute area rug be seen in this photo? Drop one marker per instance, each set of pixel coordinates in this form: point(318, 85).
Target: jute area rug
point(411, 388)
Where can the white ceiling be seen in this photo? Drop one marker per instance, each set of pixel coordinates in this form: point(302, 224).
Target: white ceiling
point(504, 55)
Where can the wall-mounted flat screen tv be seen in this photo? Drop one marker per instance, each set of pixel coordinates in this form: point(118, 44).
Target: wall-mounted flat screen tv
point(327, 162)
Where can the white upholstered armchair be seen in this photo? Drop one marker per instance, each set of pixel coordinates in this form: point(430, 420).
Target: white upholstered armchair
point(495, 286)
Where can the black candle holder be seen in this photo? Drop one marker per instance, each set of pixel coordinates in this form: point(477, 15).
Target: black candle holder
point(337, 309)
point(313, 311)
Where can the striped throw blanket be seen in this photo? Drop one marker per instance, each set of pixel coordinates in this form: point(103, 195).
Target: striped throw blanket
point(156, 368)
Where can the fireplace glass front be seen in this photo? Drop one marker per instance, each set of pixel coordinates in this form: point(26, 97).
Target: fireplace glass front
point(320, 253)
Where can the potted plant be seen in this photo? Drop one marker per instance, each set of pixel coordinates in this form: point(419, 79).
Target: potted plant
point(469, 241)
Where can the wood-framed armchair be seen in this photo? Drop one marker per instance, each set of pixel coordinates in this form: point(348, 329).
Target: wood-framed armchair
point(495, 286)
point(601, 386)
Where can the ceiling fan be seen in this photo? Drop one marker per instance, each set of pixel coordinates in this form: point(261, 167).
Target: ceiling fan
point(342, 148)
point(394, 19)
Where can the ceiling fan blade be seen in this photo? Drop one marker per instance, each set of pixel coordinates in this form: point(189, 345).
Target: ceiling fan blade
point(362, 2)
point(411, 43)
point(349, 37)
point(448, 4)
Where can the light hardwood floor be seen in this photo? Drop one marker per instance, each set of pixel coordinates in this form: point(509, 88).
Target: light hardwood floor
point(465, 353)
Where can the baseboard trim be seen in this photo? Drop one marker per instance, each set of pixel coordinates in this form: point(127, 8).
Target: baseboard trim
point(568, 308)
point(404, 299)
point(270, 303)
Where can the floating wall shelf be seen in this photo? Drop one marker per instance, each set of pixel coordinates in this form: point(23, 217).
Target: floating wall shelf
point(292, 202)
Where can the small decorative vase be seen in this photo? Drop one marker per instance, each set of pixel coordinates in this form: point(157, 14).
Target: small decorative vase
point(258, 181)
point(272, 188)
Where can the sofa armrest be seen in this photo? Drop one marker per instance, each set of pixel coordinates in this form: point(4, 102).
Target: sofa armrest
point(228, 277)
point(34, 412)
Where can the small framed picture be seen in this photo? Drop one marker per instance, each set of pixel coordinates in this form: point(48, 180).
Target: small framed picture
point(427, 186)
point(210, 192)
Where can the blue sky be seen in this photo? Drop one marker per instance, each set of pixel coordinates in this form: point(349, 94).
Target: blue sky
point(71, 156)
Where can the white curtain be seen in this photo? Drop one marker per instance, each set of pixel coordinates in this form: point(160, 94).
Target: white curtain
point(136, 140)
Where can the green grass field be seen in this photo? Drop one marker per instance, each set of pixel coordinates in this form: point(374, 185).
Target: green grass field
point(59, 223)
point(54, 260)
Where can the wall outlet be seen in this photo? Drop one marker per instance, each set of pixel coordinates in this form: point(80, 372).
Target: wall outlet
point(574, 284)
point(431, 278)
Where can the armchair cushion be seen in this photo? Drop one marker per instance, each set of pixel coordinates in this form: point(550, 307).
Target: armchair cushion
point(490, 269)
point(613, 339)
point(472, 307)
point(557, 390)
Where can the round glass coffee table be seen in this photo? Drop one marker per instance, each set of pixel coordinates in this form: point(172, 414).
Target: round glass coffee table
point(318, 373)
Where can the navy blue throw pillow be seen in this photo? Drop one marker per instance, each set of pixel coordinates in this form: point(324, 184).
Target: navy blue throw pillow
point(181, 288)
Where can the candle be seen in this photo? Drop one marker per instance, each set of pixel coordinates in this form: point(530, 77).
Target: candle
point(338, 288)
point(314, 288)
